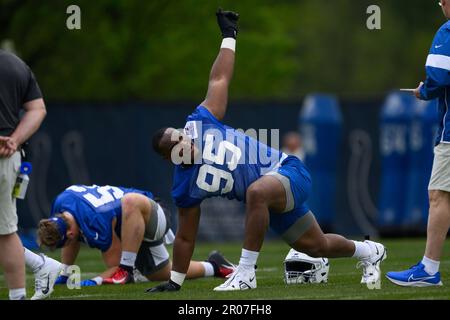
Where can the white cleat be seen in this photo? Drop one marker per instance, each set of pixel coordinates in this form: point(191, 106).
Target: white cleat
point(371, 266)
point(45, 278)
point(240, 279)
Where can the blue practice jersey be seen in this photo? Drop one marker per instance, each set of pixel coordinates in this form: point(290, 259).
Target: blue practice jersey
point(437, 83)
point(94, 208)
point(230, 162)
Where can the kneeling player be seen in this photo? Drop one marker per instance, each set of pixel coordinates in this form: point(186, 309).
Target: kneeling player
point(127, 225)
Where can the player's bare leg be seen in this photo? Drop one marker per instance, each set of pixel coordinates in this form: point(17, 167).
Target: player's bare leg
point(197, 269)
point(264, 194)
point(426, 272)
point(13, 263)
point(438, 224)
point(269, 194)
point(136, 212)
point(317, 244)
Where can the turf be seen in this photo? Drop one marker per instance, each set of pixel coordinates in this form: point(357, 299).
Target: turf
point(343, 279)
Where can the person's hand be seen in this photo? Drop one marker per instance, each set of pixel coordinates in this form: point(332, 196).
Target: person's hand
point(417, 90)
point(61, 279)
point(227, 21)
point(165, 287)
point(3, 147)
point(8, 146)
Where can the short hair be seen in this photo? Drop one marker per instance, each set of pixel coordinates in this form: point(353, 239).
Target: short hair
point(48, 233)
point(157, 137)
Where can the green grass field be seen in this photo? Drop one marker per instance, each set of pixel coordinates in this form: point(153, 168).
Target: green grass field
point(343, 279)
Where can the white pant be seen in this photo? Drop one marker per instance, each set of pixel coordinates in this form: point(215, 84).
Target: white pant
point(9, 169)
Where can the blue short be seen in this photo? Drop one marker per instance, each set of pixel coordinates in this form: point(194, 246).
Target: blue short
point(295, 177)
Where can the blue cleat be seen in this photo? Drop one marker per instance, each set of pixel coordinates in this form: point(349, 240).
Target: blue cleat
point(416, 276)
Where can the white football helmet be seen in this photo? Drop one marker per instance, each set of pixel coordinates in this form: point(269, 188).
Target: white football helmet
point(301, 268)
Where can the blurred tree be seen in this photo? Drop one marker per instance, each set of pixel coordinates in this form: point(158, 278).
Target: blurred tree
point(163, 50)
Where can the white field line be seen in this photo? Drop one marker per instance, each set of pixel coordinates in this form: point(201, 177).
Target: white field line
point(84, 296)
point(267, 270)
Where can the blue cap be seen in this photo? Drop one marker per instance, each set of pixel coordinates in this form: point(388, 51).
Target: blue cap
point(26, 168)
point(61, 224)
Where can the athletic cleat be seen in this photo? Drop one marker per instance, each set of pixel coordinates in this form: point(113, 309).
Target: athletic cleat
point(371, 265)
point(222, 267)
point(45, 278)
point(416, 276)
point(240, 279)
point(121, 276)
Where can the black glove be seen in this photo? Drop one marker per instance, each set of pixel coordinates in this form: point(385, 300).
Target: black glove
point(165, 287)
point(227, 21)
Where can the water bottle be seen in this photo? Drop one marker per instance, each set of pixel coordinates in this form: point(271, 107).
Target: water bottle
point(20, 188)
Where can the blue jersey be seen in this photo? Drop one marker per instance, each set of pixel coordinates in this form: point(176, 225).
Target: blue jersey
point(230, 162)
point(94, 209)
point(437, 83)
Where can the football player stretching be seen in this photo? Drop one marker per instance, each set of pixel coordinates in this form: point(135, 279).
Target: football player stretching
point(212, 159)
point(127, 225)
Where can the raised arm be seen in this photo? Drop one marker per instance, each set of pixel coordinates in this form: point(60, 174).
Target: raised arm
point(222, 70)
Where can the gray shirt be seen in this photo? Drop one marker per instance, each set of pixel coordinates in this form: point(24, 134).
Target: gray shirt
point(17, 87)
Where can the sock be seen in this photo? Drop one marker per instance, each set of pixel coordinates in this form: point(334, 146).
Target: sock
point(98, 280)
point(209, 268)
point(362, 250)
point(127, 260)
point(64, 270)
point(177, 278)
point(17, 294)
point(33, 260)
point(431, 266)
point(248, 259)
